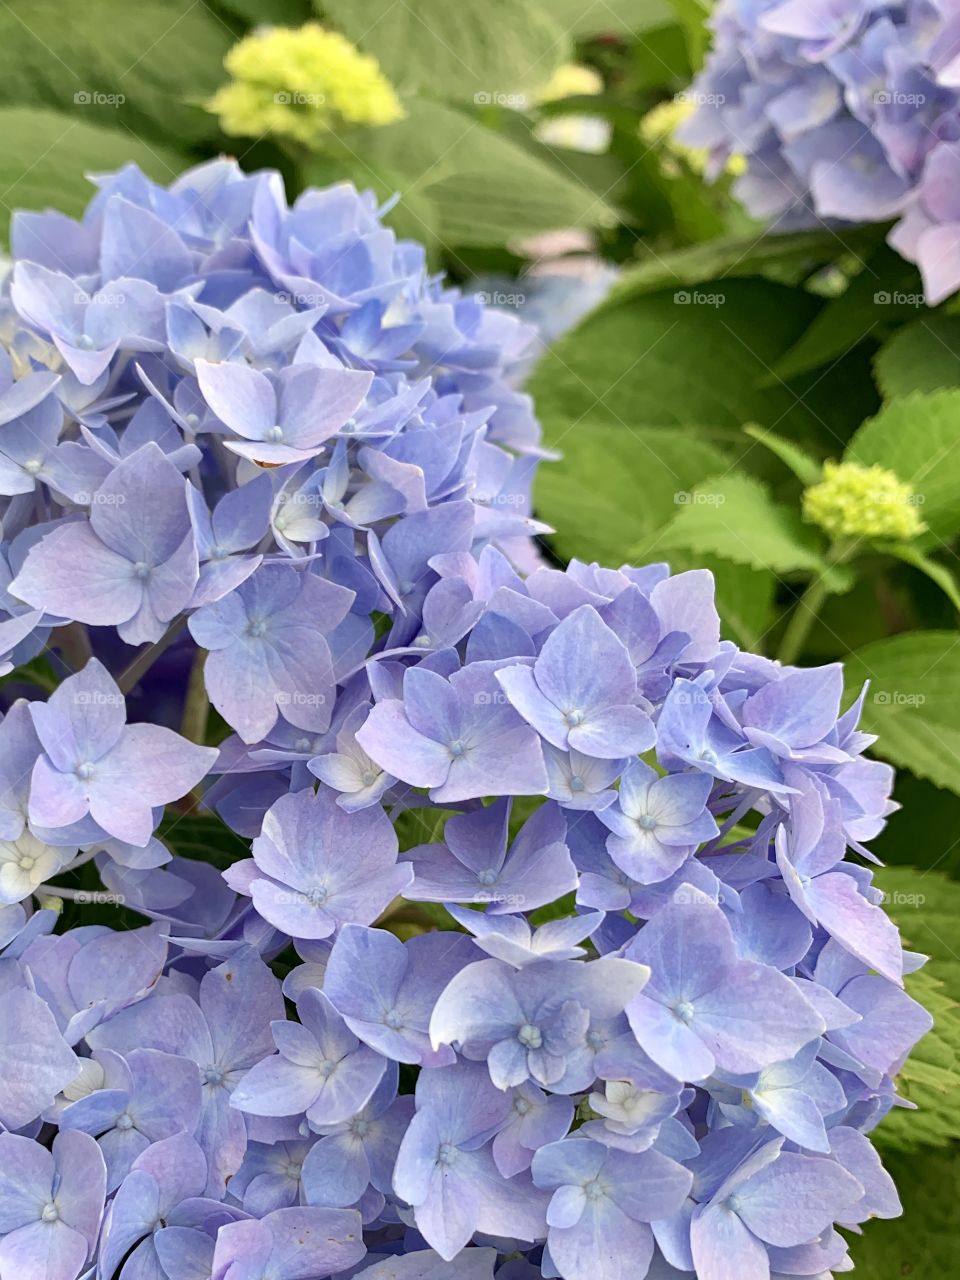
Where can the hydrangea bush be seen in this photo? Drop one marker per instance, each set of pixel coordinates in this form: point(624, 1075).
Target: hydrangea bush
point(843, 109)
point(625, 1001)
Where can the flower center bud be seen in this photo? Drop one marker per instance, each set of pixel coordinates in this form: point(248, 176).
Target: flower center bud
point(84, 771)
point(275, 435)
point(530, 1035)
point(447, 1153)
point(854, 501)
point(49, 1213)
point(684, 1011)
point(125, 1121)
point(646, 823)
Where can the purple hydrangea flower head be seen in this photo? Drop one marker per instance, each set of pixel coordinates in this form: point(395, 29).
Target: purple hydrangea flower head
point(445, 1166)
point(475, 865)
point(842, 111)
point(89, 754)
point(51, 1203)
point(703, 1007)
point(316, 867)
point(657, 822)
point(268, 652)
point(386, 990)
point(321, 1069)
point(456, 737)
point(527, 1023)
point(571, 959)
point(300, 1243)
point(581, 692)
point(133, 565)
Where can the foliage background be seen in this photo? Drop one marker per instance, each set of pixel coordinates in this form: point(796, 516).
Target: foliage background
point(690, 408)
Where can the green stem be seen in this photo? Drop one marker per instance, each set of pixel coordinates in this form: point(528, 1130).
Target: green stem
point(196, 705)
point(148, 655)
point(805, 614)
point(807, 609)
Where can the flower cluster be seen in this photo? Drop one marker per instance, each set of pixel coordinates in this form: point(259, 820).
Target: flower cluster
point(843, 110)
point(854, 501)
point(550, 945)
point(301, 84)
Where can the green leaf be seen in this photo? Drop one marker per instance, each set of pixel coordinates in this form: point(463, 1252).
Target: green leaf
point(485, 189)
point(459, 51)
point(924, 356)
point(926, 904)
point(923, 1243)
point(615, 488)
point(727, 258)
point(133, 67)
point(918, 438)
point(281, 13)
point(687, 357)
point(912, 703)
point(45, 157)
point(806, 468)
point(735, 517)
point(886, 290)
point(934, 570)
point(611, 17)
point(693, 15)
point(203, 837)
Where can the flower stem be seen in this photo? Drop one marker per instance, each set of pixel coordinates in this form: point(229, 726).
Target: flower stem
point(148, 655)
point(805, 613)
point(196, 705)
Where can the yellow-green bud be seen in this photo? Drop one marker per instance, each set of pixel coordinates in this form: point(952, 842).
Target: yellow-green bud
point(853, 501)
point(302, 84)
